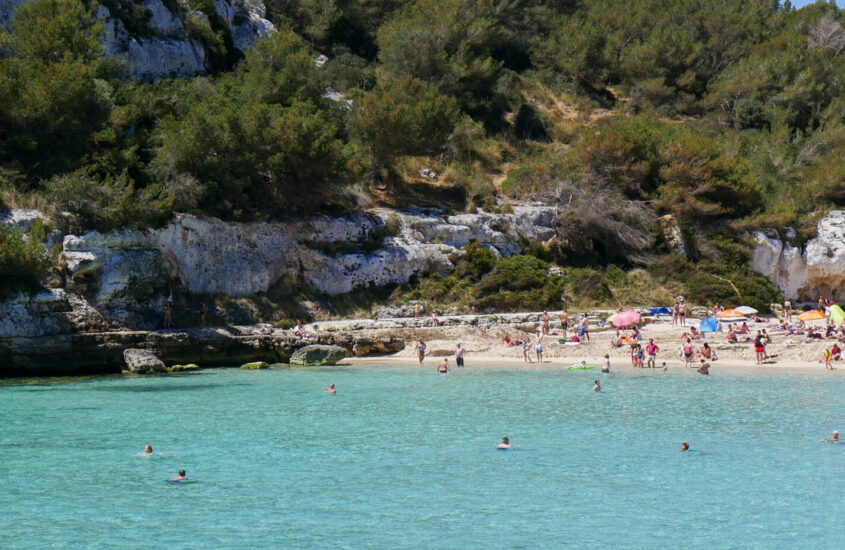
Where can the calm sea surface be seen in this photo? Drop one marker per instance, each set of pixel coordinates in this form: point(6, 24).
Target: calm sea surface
point(405, 458)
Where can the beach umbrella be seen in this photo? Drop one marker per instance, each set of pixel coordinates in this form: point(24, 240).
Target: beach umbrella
point(812, 315)
point(626, 318)
point(659, 310)
point(731, 314)
point(746, 310)
point(837, 315)
point(709, 324)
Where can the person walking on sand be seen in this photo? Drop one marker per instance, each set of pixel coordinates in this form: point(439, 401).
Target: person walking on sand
point(759, 350)
point(564, 322)
point(538, 347)
point(651, 349)
point(526, 350)
point(827, 358)
point(421, 350)
point(686, 353)
point(168, 314)
point(459, 354)
point(682, 313)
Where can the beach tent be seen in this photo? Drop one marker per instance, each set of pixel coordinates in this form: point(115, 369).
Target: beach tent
point(837, 315)
point(659, 310)
point(626, 318)
point(731, 314)
point(709, 324)
point(812, 315)
point(746, 310)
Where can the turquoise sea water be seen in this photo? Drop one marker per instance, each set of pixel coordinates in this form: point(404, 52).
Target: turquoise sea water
point(405, 458)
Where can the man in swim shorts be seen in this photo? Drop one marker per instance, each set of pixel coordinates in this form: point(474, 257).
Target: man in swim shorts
point(443, 368)
point(564, 322)
point(459, 355)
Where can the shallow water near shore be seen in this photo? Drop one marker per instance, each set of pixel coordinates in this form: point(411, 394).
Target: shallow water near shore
point(404, 458)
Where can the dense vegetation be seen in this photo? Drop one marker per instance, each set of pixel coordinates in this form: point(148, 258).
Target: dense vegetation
point(728, 115)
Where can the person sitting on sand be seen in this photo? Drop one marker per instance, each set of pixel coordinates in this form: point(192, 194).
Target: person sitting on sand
point(835, 438)
point(708, 353)
point(605, 366)
point(443, 368)
point(330, 389)
point(694, 334)
point(813, 334)
point(179, 477)
point(731, 337)
point(836, 352)
point(684, 447)
point(505, 444)
point(597, 387)
point(704, 367)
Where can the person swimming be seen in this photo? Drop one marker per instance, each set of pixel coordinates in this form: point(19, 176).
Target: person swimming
point(684, 447)
point(330, 390)
point(597, 387)
point(835, 438)
point(179, 477)
point(505, 444)
point(148, 450)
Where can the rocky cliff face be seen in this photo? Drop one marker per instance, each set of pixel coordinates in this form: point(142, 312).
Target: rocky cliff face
point(168, 49)
point(818, 270)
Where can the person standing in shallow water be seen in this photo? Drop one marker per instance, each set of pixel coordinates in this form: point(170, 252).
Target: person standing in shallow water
point(459, 354)
point(597, 386)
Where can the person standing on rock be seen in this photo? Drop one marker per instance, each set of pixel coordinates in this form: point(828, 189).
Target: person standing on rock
point(546, 321)
point(434, 321)
point(168, 315)
point(459, 355)
point(203, 314)
point(421, 350)
point(564, 321)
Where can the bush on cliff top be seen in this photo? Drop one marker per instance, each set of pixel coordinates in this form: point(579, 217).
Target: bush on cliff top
point(23, 259)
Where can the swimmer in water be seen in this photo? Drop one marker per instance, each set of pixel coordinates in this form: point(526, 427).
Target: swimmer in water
point(597, 387)
point(330, 390)
point(505, 444)
point(665, 368)
point(148, 450)
point(684, 447)
point(835, 438)
point(444, 366)
point(179, 477)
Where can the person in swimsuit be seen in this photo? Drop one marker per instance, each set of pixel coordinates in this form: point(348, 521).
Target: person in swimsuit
point(179, 477)
point(443, 368)
point(605, 367)
point(759, 350)
point(538, 348)
point(597, 387)
point(546, 321)
point(704, 368)
point(505, 444)
point(584, 329)
point(148, 450)
point(635, 357)
point(708, 353)
point(686, 353)
point(434, 321)
point(827, 357)
point(330, 390)
point(682, 313)
point(651, 349)
point(459, 355)
point(787, 310)
point(564, 322)
point(526, 350)
point(684, 447)
point(421, 350)
point(835, 438)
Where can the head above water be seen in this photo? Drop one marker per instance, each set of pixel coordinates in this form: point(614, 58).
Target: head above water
point(685, 446)
point(148, 449)
point(506, 441)
point(182, 473)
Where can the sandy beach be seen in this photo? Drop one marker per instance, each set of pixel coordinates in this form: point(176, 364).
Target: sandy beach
point(486, 348)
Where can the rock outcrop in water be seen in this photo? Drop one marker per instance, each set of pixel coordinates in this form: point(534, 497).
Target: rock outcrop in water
point(804, 275)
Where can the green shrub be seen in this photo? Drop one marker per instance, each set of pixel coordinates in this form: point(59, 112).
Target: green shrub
point(476, 262)
point(255, 366)
point(23, 260)
point(183, 368)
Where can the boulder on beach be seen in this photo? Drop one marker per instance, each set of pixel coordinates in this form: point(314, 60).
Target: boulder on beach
point(317, 355)
point(255, 365)
point(142, 361)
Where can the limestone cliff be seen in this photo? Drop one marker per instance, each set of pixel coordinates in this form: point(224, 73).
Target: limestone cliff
point(167, 48)
point(817, 270)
